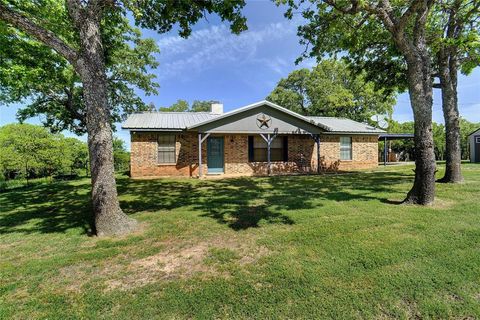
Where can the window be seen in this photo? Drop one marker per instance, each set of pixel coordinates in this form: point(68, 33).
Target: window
point(477, 139)
point(345, 148)
point(258, 149)
point(166, 149)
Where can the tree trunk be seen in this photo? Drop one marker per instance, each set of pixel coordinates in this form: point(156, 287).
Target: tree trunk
point(453, 151)
point(420, 90)
point(109, 217)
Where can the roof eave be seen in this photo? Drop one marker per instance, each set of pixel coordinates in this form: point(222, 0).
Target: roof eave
point(355, 132)
point(153, 129)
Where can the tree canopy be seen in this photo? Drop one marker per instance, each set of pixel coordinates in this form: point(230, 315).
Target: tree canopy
point(331, 89)
point(183, 106)
point(28, 150)
point(43, 80)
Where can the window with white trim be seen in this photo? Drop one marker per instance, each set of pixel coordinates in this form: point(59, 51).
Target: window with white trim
point(166, 149)
point(345, 148)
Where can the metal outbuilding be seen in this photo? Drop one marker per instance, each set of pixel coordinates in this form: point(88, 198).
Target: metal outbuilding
point(474, 145)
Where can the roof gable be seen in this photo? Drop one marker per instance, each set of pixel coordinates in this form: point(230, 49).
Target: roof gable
point(245, 120)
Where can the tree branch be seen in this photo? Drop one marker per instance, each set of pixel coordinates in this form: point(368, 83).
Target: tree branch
point(24, 24)
point(405, 18)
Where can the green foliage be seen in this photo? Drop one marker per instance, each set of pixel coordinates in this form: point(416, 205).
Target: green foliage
point(32, 151)
point(438, 129)
point(32, 73)
point(454, 29)
point(407, 145)
point(184, 106)
point(331, 89)
point(179, 106)
point(121, 158)
point(35, 75)
point(163, 15)
point(363, 41)
point(202, 106)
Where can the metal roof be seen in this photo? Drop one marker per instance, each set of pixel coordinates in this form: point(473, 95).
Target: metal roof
point(164, 121)
point(395, 136)
point(177, 121)
point(344, 125)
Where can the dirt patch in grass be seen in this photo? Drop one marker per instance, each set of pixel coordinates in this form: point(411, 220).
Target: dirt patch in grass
point(410, 308)
point(184, 260)
point(442, 204)
point(437, 204)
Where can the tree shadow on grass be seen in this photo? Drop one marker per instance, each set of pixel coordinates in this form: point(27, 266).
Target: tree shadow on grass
point(46, 208)
point(239, 203)
point(243, 203)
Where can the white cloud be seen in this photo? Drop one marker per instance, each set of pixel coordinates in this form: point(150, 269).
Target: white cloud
point(216, 44)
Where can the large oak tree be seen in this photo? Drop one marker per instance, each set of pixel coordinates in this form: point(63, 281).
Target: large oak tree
point(454, 28)
point(452, 36)
point(73, 28)
point(329, 24)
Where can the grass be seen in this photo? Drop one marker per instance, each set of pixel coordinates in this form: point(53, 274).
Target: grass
point(20, 183)
point(334, 246)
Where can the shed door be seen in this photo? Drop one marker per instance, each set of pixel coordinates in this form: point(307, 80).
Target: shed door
point(215, 154)
point(476, 140)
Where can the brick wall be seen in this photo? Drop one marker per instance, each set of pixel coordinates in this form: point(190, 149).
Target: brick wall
point(302, 155)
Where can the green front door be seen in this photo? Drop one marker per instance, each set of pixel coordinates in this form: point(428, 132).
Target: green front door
point(215, 154)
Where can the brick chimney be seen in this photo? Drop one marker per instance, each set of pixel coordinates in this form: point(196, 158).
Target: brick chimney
point(217, 108)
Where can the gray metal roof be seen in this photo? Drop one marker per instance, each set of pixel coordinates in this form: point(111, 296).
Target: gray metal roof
point(166, 120)
point(344, 125)
point(177, 121)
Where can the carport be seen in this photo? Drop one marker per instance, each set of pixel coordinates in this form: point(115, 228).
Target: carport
point(392, 136)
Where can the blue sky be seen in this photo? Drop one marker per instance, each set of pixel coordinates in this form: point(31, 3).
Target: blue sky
point(241, 69)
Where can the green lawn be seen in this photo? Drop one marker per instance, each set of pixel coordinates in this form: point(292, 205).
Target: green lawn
point(333, 246)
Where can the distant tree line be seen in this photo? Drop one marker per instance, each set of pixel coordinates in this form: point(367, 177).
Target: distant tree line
point(438, 130)
point(183, 106)
point(30, 151)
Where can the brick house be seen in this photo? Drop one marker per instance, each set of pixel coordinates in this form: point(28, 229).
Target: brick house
point(258, 139)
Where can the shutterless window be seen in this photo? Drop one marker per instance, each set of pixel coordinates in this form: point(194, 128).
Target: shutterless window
point(345, 148)
point(166, 149)
point(260, 149)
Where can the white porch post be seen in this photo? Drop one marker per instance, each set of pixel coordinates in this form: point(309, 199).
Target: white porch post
point(268, 139)
point(318, 153)
point(200, 141)
point(268, 152)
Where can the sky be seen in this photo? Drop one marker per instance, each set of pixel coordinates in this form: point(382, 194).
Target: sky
point(237, 70)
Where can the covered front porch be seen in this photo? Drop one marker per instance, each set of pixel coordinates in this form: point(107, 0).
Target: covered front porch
point(267, 133)
point(261, 154)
